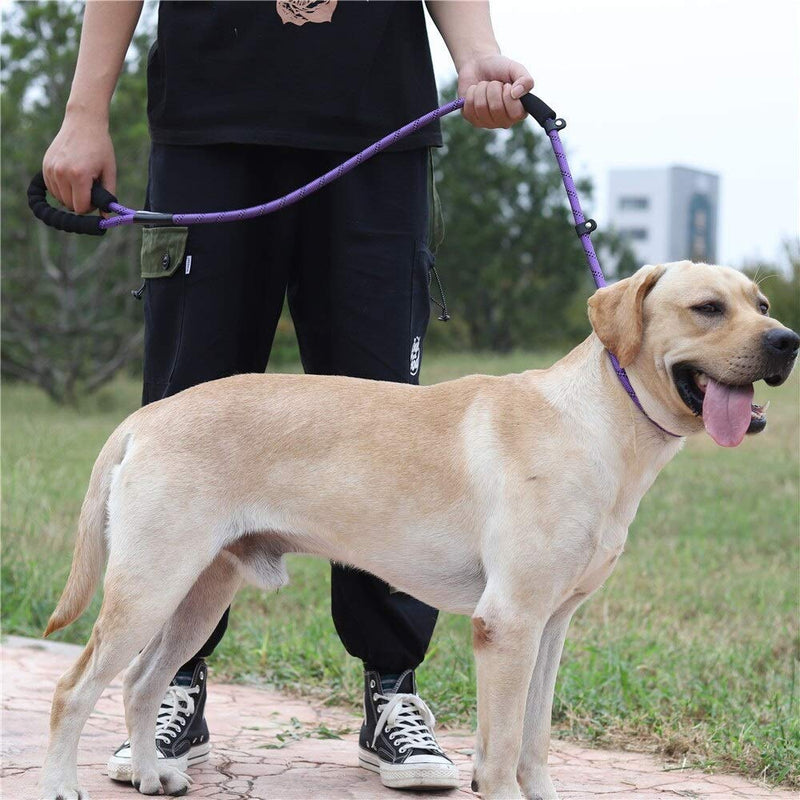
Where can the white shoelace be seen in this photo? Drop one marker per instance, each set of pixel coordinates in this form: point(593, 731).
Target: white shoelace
point(409, 719)
point(177, 705)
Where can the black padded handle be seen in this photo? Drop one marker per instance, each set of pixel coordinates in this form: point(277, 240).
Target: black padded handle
point(101, 198)
point(537, 108)
point(65, 220)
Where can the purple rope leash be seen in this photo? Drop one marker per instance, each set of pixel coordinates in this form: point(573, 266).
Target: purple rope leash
point(577, 211)
point(539, 110)
point(581, 223)
point(298, 194)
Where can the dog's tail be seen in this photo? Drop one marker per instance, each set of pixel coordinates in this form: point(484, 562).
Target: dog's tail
point(90, 547)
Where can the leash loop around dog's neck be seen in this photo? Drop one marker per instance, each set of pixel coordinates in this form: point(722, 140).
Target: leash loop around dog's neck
point(584, 228)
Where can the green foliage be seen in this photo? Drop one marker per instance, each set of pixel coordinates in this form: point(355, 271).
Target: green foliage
point(69, 322)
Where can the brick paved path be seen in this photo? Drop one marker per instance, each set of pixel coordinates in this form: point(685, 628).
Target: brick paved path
point(250, 762)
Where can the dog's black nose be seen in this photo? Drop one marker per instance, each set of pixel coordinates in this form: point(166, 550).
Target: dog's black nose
point(782, 342)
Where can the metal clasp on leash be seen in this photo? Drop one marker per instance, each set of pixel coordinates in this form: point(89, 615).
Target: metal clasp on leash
point(557, 124)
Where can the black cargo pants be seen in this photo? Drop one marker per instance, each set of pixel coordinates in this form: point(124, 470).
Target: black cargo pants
point(355, 263)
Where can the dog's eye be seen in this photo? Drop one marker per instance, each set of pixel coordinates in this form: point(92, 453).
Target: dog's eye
point(763, 307)
point(709, 308)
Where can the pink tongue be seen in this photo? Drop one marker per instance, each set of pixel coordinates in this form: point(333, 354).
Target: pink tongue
point(726, 412)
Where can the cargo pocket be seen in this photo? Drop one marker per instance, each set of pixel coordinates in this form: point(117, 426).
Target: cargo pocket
point(420, 308)
point(163, 250)
point(163, 259)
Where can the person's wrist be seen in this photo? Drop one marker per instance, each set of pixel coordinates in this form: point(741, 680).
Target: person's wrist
point(86, 111)
point(475, 53)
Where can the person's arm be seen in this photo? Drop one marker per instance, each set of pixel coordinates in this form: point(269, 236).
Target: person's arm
point(82, 150)
point(491, 83)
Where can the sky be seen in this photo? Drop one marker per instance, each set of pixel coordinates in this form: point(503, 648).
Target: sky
point(653, 83)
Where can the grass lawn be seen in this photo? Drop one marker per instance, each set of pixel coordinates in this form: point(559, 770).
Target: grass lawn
point(690, 650)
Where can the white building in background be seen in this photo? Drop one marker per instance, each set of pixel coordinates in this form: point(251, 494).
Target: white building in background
point(666, 214)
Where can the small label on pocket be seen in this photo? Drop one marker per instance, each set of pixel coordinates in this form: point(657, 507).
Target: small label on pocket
point(188, 262)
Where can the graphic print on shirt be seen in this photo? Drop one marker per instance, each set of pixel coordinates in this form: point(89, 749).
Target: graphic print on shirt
point(298, 12)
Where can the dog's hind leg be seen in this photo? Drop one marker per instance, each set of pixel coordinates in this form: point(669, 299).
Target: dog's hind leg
point(150, 674)
point(115, 640)
point(137, 602)
point(532, 771)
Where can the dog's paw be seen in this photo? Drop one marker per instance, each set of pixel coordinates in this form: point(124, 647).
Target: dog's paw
point(537, 785)
point(64, 792)
point(164, 780)
point(510, 792)
point(495, 790)
point(536, 794)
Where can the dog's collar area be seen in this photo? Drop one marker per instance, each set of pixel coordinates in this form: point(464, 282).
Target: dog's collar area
point(628, 387)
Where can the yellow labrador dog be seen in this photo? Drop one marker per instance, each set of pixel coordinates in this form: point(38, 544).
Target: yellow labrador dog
point(505, 498)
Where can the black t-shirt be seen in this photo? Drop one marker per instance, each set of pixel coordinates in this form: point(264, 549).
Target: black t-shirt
point(325, 75)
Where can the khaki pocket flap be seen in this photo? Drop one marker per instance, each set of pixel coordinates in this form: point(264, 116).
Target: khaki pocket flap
point(162, 251)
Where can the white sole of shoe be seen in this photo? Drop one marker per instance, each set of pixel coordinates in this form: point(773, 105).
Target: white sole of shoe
point(120, 769)
point(410, 776)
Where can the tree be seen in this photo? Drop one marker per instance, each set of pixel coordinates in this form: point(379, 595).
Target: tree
point(510, 259)
point(69, 322)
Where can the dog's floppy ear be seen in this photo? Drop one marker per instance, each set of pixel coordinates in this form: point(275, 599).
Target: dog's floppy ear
point(616, 313)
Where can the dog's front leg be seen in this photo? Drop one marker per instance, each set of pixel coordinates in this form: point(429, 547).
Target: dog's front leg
point(505, 642)
point(532, 772)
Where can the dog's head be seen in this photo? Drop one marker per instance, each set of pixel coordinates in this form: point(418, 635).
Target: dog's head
point(697, 337)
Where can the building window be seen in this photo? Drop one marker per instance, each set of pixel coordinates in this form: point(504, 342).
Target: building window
point(699, 228)
point(634, 203)
point(635, 234)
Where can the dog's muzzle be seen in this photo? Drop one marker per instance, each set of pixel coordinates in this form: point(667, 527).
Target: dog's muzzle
point(726, 409)
point(781, 346)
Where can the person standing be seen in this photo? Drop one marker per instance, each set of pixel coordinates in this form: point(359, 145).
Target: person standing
point(248, 101)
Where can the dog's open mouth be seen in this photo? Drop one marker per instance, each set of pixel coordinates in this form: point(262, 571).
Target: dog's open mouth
point(728, 412)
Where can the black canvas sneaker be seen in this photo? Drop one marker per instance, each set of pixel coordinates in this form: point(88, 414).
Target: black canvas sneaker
point(397, 738)
point(181, 730)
